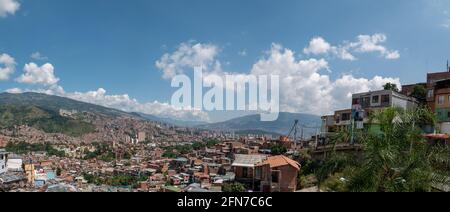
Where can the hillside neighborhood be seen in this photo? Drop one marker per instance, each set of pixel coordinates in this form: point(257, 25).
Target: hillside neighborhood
point(126, 153)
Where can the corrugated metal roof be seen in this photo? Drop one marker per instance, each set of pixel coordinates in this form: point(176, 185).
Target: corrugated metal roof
point(248, 160)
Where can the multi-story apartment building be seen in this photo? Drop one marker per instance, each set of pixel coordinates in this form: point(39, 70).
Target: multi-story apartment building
point(382, 99)
point(432, 80)
point(442, 105)
point(340, 121)
point(363, 104)
point(438, 98)
point(328, 124)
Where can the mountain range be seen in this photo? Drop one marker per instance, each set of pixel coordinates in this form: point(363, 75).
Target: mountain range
point(51, 106)
point(56, 103)
point(281, 126)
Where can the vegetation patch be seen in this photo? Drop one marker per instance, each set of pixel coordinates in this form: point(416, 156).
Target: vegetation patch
point(47, 121)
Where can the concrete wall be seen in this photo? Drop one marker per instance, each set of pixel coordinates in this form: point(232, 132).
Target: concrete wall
point(288, 182)
point(288, 177)
point(445, 127)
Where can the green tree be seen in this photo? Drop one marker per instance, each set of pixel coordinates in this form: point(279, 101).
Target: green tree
point(233, 187)
point(397, 158)
point(391, 86)
point(278, 150)
point(420, 93)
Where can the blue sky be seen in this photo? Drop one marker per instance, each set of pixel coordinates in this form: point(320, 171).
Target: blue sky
point(114, 44)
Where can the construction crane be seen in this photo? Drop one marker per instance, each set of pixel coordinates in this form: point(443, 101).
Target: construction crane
point(294, 131)
point(297, 127)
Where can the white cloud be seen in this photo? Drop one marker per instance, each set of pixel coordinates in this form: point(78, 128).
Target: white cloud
point(33, 74)
point(122, 102)
point(45, 77)
point(126, 103)
point(7, 66)
point(343, 53)
point(446, 24)
point(14, 90)
point(346, 50)
point(304, 84)
point(8, 7)
point(38, 56)
point(317, 46)
point(367, 43)
point(243, 53)
point(188, 55)
point(346, 85)
point(305, 89)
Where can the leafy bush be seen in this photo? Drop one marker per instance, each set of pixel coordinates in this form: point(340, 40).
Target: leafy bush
point(278, 150)
point(233, 187)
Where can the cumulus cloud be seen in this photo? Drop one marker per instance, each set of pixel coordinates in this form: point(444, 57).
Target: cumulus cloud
point(304, 84)
point(45, 78)
point(126, 103)
point(7, 66)
point(346, 50)
point(367, 43)
point(317, 46)
point(304, 88)
point(38, 56)
point(34, 74)
point(188, 55)
point(8, 7)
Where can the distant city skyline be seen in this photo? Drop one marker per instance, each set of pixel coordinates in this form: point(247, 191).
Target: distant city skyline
point(123, 54)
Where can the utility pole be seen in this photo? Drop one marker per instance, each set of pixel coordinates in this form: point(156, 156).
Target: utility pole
point(352, 137)
point(302, 134)
point(317, 138)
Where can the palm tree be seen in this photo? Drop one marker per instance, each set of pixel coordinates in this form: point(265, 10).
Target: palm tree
point(397, 158)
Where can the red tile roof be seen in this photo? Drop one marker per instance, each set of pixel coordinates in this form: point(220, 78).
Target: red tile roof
point(280, 160)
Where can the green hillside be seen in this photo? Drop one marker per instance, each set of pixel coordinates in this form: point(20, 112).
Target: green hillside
point(55, 103)
point(45, 120)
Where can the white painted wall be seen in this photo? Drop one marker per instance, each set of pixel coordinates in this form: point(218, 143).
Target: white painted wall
point(2, 163)
point(14, 164)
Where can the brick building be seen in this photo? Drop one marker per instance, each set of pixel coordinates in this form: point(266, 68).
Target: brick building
point(278, 174)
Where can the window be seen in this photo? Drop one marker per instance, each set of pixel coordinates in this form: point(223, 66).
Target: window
point(346, 116)
point(245, 172)
point(275, 176)
point(439, 114)
point(385, 99)
point(375, 99)
point(448, 115)
point(441, 100)
point(258, 173)
point(355, 101)
point(430, 93)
